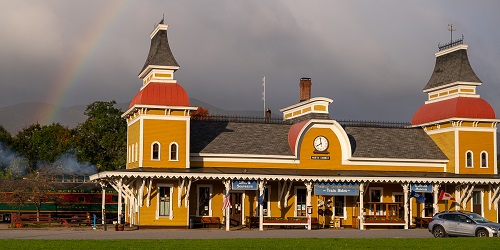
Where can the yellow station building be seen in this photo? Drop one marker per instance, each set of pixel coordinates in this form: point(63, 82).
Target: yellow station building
point(307, 169)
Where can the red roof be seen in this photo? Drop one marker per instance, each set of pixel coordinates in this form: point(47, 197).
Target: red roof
point(460, 107)
point(162, 94)
point(293, 133)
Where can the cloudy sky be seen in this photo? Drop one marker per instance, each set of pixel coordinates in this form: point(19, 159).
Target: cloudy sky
point(371, 57)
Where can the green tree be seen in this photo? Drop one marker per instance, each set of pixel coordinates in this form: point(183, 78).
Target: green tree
point(42, 143)
point(5, 137)
point(102, 139)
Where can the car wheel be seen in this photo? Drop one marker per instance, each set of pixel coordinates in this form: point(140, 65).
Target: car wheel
point(482, 233)
point(438, 232)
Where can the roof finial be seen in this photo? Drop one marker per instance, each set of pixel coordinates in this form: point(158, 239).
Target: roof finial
point(162, 19)
point(451, 29)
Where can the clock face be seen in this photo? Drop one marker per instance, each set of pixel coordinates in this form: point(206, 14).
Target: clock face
point(320, 143)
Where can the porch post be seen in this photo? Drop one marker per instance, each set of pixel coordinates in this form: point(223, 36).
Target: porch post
point(120, 201)
point(435, 192)
point(262, 185)
point(361, 208)
point(103, 202)
point(227, 184)
point(309, 187)
point(406, 207)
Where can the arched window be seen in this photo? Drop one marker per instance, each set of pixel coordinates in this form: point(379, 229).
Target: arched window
point(484, 159)
point(155, 151)
point(469, 159)
point(174, 152)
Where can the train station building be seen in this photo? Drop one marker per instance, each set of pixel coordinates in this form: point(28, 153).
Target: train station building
point(306, 169)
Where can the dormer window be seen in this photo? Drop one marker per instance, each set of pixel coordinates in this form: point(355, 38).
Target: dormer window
point(469, 159)
point(174, 152)
point(155, 151)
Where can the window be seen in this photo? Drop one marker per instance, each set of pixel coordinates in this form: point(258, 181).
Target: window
point(155, 151)
point(484, 159)
point(428, 204)
point(300, 198)
point(136, 152)
point(173, 151)
point(132, 152)
point(477, 201)
point(266, 206)
point(469, 159)
point(376, 196)
point(164, 201)
point(204, 198)
point(339, 206)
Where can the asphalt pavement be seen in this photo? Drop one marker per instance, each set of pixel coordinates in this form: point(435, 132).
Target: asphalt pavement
point(95, 234)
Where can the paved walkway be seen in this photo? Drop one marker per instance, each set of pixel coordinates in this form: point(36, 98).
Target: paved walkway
point(88, 233)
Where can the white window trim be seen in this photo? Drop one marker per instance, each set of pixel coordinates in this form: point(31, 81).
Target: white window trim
point(295, 203)
point(171, 213)
point(481, 159)
point(129, 153)
point(482, 200)
point(210, 188)
point(268, 201)
point(471, 159)
point(170, 152)
point(159, 151)
point(133, 152)
point(344, 208)
point(136, 151)
point(371, 212)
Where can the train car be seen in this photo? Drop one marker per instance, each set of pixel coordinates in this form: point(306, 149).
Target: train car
point(69, 195)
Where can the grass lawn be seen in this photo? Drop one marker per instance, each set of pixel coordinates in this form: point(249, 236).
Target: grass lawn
point(314, 243)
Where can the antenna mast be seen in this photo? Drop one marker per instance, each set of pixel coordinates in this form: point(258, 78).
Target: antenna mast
point(451, 29)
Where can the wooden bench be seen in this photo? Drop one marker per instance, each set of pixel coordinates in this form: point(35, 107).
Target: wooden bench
point(208, 222)
point(74, 219)
point(21, 219)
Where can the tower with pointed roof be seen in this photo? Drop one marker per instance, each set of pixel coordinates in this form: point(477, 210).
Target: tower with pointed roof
point(461, 123)
point(158, 117)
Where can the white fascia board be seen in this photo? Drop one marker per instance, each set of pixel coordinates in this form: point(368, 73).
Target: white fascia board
point(455, 119)
point(290, 157)
point(468, 129)
point(402, 165)
point(159, 81)
point(333, 178)
point(452, 49)
point(151, 67)
point(139, 106)
point(158, 27)
point(323, 100)
point(384, 160)
point(452, 85)
point(451, 96)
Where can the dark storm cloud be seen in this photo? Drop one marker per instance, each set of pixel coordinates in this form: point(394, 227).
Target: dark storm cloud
point(371, 58)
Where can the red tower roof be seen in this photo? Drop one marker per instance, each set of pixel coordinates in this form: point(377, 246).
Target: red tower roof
point(461, 107)
point(293, 133)
point(162, 94)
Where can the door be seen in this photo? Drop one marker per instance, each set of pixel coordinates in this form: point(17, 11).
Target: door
point(465, 226)
point(477, 204)
point(236, 210)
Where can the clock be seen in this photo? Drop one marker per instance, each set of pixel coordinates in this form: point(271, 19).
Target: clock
point(320, 144)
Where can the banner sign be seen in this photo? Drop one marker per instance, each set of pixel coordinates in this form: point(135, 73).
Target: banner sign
point(244, 185)
point(330, 188)
point(421, 188)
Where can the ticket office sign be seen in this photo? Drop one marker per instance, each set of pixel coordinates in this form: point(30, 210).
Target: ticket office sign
point(336, 188)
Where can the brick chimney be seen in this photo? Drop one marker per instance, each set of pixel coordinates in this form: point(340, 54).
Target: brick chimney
point(305, 89)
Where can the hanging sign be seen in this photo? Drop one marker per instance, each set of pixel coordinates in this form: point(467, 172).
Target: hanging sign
point(330, 188)
point(244, 185)
point(421, 188)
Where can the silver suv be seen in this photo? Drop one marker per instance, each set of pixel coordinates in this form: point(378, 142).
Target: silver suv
point(462, 224)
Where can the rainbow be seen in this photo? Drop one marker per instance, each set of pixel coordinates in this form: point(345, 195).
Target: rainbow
point(71, 71)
